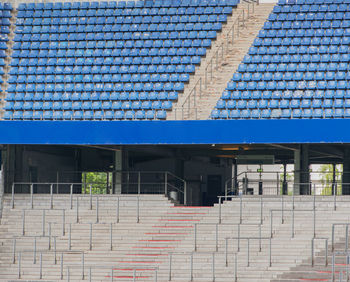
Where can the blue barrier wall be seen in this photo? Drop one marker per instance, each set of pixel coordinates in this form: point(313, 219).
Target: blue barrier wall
point(175, 132)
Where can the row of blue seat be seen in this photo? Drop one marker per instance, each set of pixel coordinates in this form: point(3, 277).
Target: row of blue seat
point(301, 50)
point(92, 96)
point(119, 87)
point(285, 95)
point(288, 76)
point(311, 2)
point(277, 113)
point(289, 85)
point(88, 105)
point(5, 14)
point(313, 32)
point(107, 44)
point(165, 77)
point(5, 6)
point(283, 104)
point(123, 4)
point(296, 58)
point(311, 8)
point(310, 19)
point(297, 41)
point(112, 22)
point(118, 56)
point(85, 115)
point(292, 67)
point(40, 14)
point(5, 21)
point(103, 69)
point(164, 35)
point(61, 29)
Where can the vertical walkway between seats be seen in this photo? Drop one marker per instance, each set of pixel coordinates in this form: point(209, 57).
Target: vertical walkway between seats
point(7, 60)
point(232, 58)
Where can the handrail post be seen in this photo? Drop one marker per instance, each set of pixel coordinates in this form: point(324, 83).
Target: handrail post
point(346, 237)
point(77, 211)
point(195, 237)
point(139, 183)
point(270, 252)
point(112, 274)
point(90, 278)
point(63, 222)
point(239, 238)
point(226, 245)
point(185, 193)
point(41, 266)
point(71, 196)
point(90, 237)
point(34, 251)
point(82, 266)
point(111, 237)
point(248, 252)
point(333, 266)
point(90, 197)
point(240, 209)
point(23, 221)
point(61, 263)
point(335, 200)
point(259, 237)
point(138, 209)
point(216, 237)
point(19, 265)
point(333, 226)
point(14, 251)
point(312, 251)
point(51, 196)
point(117, 210)
point(213, 266)
point(282, 210)
point(326, 253)
point(31, 195)
point(261, 210)
point(191, 267)
point(13, 196)
point(49, 234)
point(97, 210)
point(170, 259)
point(314, 221)
point(236, 275)
point(43, 223)
point(271, 223)
point(70, 237)
point(293, 224)
point(134, 275)
point(219, 210)
point(166, 184)
point(54, 249)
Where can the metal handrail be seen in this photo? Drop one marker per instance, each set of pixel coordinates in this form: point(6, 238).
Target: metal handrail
point(313, 251)
point(139, 183)
point(215, 56)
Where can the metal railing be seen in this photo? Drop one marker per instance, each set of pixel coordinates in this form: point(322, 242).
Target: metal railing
point(313, 251)
point(131, 182)
point(113, 269)
point(211, 255)
point(189, 105)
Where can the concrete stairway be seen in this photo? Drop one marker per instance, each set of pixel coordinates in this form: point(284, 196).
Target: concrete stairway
point(164, 236)
point(7, 61)
point(227, 64)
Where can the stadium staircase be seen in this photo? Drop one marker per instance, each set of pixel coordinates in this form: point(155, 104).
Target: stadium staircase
point(166, 240)
point(221, 61)
point(7, 59)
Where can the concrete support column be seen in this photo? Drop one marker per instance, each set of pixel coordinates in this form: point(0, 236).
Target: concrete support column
point(301, 171)
point(117, 174)
point(346, 173)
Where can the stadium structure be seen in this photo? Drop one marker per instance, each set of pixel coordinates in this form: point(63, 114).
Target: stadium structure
point(143, 140)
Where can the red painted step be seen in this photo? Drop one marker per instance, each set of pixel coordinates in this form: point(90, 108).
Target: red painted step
point(162, 219)
point(159, 240)
point(191, 207)
point(187, 213)
point(155, 233)
point(175, 226)
point(137, 261)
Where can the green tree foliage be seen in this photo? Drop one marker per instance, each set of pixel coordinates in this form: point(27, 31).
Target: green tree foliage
point(98, 182)
point(326, 178)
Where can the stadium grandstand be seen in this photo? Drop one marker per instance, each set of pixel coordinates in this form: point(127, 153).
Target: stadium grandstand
point(175, 140)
